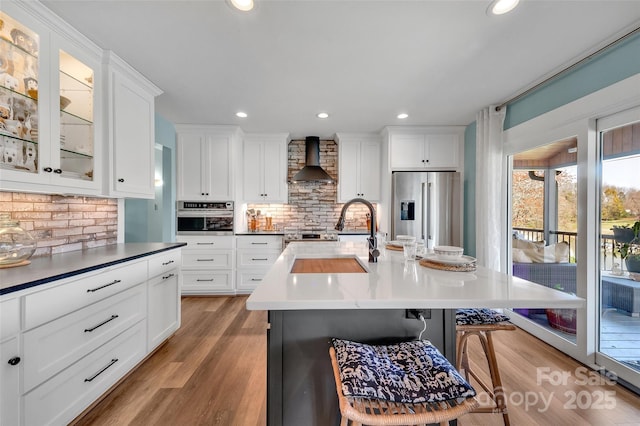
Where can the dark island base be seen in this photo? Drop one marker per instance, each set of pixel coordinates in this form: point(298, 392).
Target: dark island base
point(301, 389)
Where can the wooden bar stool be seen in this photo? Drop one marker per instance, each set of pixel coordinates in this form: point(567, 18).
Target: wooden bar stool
point(482, 323)
point(355, 361)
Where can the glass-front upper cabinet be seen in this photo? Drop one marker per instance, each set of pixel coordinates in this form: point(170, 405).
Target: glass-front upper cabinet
point(76, 118)
point(48, 106)
point(19, 75)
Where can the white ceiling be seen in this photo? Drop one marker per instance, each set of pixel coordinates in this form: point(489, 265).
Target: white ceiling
point(361, 61)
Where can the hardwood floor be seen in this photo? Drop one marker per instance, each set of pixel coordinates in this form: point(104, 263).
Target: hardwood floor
point(213, 372)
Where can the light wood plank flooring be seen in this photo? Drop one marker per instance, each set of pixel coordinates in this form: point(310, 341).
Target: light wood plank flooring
point(213, 372)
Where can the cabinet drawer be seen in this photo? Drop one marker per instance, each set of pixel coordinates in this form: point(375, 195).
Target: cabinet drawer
point(9, 317)
point(255, 258)
point(164, 262)
point(207, 259)
point(61, 399)
point(55, 345)
point(55, 302)
point(206, 281)
point(196, 242)
point(249, 280)
point(259, 242)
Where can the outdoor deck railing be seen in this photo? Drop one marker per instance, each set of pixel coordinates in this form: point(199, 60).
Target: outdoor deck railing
point(607, 246)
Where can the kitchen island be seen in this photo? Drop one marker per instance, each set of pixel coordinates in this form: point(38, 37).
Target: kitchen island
point(307, 309)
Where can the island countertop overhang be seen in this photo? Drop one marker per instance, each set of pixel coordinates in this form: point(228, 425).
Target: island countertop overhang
point(392, 283)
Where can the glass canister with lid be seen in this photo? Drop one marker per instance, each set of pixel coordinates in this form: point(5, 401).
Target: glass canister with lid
point(16, 244)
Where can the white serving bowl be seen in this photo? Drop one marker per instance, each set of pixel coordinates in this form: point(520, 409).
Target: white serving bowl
point(450, 252)
point(403, 238)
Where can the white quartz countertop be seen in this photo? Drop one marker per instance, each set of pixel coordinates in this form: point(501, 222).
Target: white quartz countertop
point(392, 283)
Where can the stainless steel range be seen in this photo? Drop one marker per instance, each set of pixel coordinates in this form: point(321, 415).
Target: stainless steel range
point(308, 235)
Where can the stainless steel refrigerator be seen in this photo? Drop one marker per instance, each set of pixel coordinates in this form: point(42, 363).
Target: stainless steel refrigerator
point(428, 206)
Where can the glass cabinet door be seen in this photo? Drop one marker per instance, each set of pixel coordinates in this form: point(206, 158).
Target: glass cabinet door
point(76, 118)
point(19, 47)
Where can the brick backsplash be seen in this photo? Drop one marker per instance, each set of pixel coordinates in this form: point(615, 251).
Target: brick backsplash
point(60, 223)
point(313, 204)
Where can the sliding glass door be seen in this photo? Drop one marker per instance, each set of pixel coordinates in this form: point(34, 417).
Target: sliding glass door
point(619, 283)
point(543, 194)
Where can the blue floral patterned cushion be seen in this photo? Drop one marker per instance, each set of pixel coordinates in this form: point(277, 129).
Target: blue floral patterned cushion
point(409, 372)
point(478, 316)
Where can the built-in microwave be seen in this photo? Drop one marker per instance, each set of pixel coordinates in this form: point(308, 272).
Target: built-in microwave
point(204, 218)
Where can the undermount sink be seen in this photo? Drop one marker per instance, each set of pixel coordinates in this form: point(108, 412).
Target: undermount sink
point(327, 265)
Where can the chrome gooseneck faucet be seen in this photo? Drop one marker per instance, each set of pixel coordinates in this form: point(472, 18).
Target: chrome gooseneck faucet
point(373, 244)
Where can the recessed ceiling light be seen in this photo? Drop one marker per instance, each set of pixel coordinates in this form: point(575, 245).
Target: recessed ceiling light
point(499, 7)
point(322, 115)
point(403, 115)
point(241, 114)
point(243, 5)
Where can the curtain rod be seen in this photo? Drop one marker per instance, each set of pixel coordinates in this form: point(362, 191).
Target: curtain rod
point(570, 67)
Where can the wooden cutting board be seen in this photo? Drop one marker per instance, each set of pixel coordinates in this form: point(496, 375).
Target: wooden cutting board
point(339, 265)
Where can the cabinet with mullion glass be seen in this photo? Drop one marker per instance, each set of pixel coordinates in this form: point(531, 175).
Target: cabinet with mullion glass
point(19, 65)
point(48, 98)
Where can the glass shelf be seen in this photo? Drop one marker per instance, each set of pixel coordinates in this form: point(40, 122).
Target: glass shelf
point(17, 47)
point(67, 153)
point(69, 119)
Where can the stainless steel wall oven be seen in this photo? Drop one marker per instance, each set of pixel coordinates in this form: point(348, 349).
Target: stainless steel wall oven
point(204, 218)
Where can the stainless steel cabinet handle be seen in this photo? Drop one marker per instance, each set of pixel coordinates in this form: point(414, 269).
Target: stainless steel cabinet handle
point(89, 330)
point(256, 279)
point(257, 244)
point(204, 260)
point(167, 276)
point(255, 258)
point(91, 290)
point(113, 361)
point(205, 244)
point(167, 263)
point(14, 361)
point(201, 280)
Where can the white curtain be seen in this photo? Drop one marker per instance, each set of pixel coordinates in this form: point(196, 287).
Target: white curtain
point(490, 194)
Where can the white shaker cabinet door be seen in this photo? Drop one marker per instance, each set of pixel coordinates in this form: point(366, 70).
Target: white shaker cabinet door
point(190, 152)
point(133, 140)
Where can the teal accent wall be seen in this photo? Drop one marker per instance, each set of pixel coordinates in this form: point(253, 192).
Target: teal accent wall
point(609, 67)
point(469, 188)
point(613, 65)
point(140, 213)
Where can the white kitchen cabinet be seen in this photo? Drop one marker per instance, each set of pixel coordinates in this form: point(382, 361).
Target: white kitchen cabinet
point(80, 335)
point(255, 255)
point(51, 101)
point(164, 298)
point(264, 168)
point(429, 148)
point(10, 362)
point(57, 344)
point(359, 167)
point(131, 130)
point(59, 400)
point(205, 158)
point(207, 264)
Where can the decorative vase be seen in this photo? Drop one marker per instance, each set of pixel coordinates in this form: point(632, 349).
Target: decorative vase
point(623, 235)
point(16, 244)
point(562, 319)
point(633, 263)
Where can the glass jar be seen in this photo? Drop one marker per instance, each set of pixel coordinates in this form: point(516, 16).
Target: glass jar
point(16, 244)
